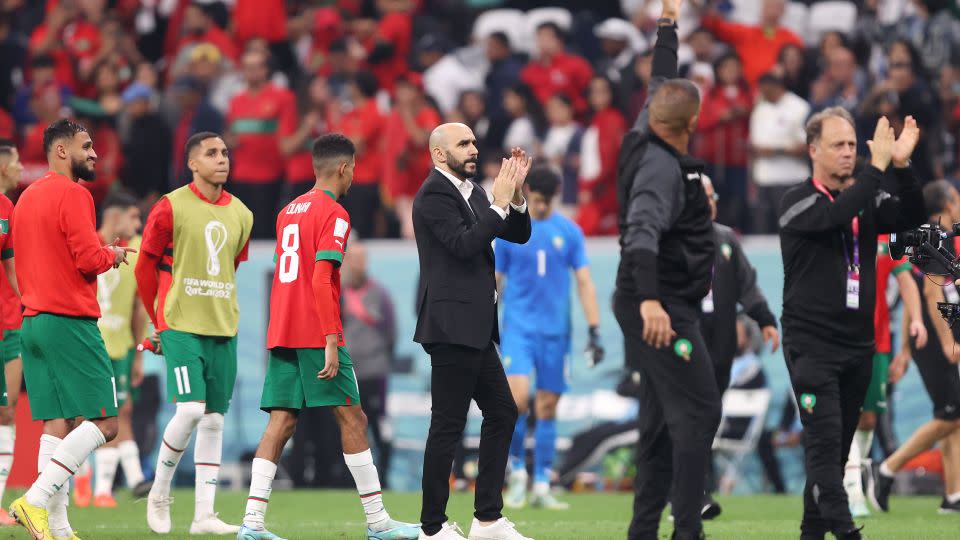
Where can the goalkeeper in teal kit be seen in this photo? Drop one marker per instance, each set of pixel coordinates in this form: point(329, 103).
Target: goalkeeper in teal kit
point(534, 279)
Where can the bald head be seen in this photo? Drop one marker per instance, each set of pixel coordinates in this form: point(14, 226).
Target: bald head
point(453, 148)
point(675, 106)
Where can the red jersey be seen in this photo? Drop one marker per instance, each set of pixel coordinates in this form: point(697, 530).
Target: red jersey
point(881, 314)
point(405, 163)
point(299, 166)
point(758, 49)
point(314, 227)
point(79, 40)
point(253, 120)
point(10, 315)
point(265, 19)
point(365, 123)
point(59, 253)
point(565, 74)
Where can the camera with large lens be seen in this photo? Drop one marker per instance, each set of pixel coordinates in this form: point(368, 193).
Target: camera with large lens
point(923, 246)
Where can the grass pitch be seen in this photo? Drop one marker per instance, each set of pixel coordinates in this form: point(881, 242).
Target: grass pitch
point(337, 515)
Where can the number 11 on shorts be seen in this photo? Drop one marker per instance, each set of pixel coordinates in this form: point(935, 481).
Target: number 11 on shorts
point(183, 380)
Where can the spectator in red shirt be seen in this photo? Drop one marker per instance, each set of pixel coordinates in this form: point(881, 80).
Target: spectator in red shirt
point(196, 114)
point(758, 46)
point(406, 153)
point(253, 135)
point(363, 125)
point(387, 42)
point(299, 131)
point(46, 104)
point(198, 27)
point(68, 38)
point(267, 20)
point(555, 71)
point(722, 139)
point(599, 149)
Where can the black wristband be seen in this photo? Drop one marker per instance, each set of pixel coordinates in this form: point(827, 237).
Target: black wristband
point(666, 21)
point(593, 332)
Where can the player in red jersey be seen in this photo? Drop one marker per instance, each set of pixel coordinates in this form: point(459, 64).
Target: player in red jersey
point(883, 370)
point(11, 170)
point(309, 365)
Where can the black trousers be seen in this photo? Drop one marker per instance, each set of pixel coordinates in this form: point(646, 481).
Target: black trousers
point(460, 374)
point(830, 389)
point(262, 199)
point(679, 415)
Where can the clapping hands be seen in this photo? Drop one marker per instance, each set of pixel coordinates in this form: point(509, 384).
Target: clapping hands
point(508, 185)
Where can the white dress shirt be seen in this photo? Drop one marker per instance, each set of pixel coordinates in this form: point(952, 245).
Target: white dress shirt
point(465, 187)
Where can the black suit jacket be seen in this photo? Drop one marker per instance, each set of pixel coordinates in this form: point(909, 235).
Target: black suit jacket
point(455, 300)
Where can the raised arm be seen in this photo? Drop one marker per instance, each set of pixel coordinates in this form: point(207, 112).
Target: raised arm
point(665, 63)
point(896, 214)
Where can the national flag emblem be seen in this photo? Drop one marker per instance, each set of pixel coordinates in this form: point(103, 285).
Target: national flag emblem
point(683, 348)
point(808, 402)
point(4, 226)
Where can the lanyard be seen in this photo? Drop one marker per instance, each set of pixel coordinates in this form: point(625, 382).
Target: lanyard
point(854, 225)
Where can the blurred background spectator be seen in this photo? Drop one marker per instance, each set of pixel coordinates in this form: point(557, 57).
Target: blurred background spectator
point(563, 82)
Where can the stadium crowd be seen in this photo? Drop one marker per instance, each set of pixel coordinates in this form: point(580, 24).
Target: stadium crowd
point(563, 82)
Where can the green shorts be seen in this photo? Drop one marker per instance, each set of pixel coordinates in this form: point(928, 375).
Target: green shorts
point(200, 368)
point(292, 383)
point(10, 346)
point(122, 367)
point(66, 368)
point(876, 400)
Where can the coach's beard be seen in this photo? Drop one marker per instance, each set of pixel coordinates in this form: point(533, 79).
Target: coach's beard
point(460, 167)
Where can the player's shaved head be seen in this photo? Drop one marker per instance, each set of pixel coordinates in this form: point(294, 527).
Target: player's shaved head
point(453, 147)
point(674, 106)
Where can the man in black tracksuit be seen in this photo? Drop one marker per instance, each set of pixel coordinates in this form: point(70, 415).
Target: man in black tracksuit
point(828, 235)
point(734, 282)
point(667, 250)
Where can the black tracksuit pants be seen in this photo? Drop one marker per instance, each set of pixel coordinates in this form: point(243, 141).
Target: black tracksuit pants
point(830, 386)
point(679, 415)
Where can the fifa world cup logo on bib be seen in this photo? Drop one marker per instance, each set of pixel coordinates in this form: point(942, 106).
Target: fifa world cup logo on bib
point(216, 236)
point(107, 283)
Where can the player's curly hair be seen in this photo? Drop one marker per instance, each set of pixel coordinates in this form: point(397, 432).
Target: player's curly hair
point(59, 130)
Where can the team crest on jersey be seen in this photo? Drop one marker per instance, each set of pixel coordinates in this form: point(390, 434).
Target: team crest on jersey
point(558, 242)
point(883, 248)
point(4, 226)
point(726, 250)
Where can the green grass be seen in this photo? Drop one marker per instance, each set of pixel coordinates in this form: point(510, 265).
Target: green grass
point(337, 515)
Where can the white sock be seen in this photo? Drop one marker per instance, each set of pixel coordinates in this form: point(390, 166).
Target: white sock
point(852, 481)
point(206, 457)
point(368, 486)
point(48, 444)
point(84, 469)
point(105, 466)
point(176, 436)
point(261, 484)
point(129, 454)
point(884, 470)
point(59, 525)
point(67, 458)
point(7, 435)
point(953, 497)
point(864, 440)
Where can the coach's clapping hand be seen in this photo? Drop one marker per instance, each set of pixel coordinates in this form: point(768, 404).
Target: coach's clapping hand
point(881, 146)
point(523, 163)
point(505, 183)
point(657, 331)
point(905, 143)
point(331, 360)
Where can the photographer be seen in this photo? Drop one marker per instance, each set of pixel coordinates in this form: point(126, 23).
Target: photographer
point(828, 234)
point(937, 363)
point(667, 250)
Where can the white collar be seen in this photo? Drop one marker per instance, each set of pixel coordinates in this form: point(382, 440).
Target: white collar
point(457, 183)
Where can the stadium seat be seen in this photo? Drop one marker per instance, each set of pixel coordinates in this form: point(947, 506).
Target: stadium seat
point(826, 16)
point(511, 22)
point(535, 17)
point(741, 423)
point(797, 18)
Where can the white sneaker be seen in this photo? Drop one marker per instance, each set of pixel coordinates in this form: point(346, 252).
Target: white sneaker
point(212, 524)
point(158, 514)
point(516, 496)
point(502, 529)
point(449, 531)
point(542, 498)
